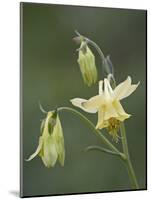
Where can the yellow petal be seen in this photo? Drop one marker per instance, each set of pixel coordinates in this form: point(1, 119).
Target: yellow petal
point(78, 102)
point(101, 122)
point(37, 150)
point(122, 115)
point(131, 89)
point(100, 87)
point(59, 141)
point(49, 151)
point(124, 89)
point(108, 92)
point(110, 111)
point(109, 87)
point(100, 118)
point(120, 90)
point(93, 103)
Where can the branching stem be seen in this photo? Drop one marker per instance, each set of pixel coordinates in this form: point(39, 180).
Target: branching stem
point(104, 140)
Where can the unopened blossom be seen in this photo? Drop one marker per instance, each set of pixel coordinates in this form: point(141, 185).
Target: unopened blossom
point(51, 142)
point(87, 65)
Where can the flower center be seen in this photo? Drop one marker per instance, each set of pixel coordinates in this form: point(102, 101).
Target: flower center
point(113, 128)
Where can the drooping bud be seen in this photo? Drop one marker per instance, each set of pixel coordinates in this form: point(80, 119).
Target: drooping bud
point(87, 65)
point(51, 143)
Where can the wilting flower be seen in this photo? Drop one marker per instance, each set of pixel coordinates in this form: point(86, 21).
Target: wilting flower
point(107, 104)
point(86, 62)
point(51, 142)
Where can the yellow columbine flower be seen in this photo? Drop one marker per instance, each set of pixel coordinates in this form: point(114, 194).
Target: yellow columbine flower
point(51, 143)
point(86, 62)
point(107, 104)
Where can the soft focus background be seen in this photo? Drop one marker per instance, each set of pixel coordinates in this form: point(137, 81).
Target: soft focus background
point(51, 75)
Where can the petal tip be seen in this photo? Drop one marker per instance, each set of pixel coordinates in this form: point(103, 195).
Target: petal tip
point(138, 83)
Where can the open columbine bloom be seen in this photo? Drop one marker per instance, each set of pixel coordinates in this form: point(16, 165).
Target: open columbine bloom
point(107, 104)
point(51, 143)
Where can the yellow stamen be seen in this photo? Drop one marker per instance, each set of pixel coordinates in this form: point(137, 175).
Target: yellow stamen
point(113, 128)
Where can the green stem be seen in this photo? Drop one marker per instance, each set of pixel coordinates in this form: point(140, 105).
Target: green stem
point(97, 48)
point(100, 52)
point(128, 163)
point(98, 148)
point(92, 127)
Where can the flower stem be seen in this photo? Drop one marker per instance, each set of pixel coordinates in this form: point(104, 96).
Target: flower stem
point(96, 131)
point(98, 148)
point(100, 52)
point(128, 163)
point(97, 48)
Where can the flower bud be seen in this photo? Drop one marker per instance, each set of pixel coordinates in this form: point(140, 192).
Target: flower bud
point(86, 62)
point(51, 143)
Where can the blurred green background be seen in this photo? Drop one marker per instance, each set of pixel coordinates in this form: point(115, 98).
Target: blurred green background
point(51, 75)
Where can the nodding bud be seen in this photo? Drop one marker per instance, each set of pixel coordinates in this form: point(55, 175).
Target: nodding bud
point(51, 142)
point(87, 65)
point(108, 66)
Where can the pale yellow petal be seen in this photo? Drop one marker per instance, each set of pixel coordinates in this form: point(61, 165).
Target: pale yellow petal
point(49, 152)
point(122, 115)
point(78, 102)
point(44, 161)
point(101, 123)
point(109, 88)
point(121, 90)
point(59, 140)
point(100, 87)
point(131, 89)
point(100, 118)
point(93, 103)
point(125, 89)
point(37, 150)
point(110, 111)
point(108, 92)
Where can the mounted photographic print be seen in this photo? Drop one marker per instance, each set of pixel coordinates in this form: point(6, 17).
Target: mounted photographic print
point(83, 99)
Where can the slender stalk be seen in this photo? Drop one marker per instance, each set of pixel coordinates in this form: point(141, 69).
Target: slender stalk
point(100, 52)
point(104, 150)
point(97, 48)
point(128, 163)
point(92, 127)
